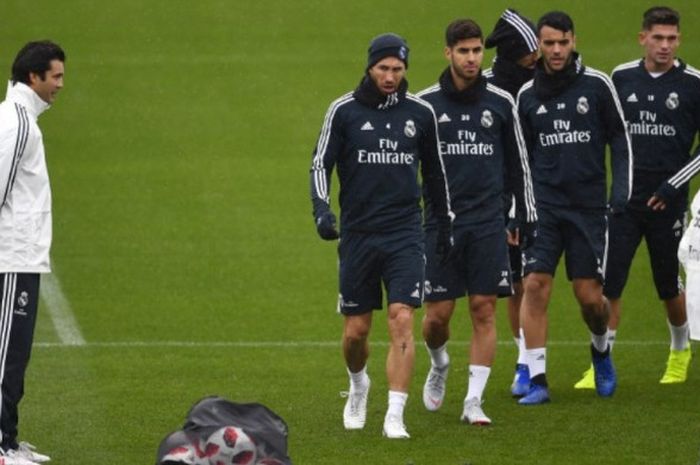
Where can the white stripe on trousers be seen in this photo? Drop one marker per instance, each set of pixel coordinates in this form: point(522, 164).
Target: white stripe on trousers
point(8, 296)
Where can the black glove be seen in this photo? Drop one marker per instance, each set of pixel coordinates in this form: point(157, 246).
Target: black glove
point(513, 226)
point(527, 232)
point(325, 225)
point(666, 192)
point(528, 235)
point(444, 242)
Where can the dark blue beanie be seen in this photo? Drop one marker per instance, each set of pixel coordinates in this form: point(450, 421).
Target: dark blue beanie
point(387, 45)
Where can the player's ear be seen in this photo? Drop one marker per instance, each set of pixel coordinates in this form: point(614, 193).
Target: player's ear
point(448, 53)
point(642, 37)
point(33, 78)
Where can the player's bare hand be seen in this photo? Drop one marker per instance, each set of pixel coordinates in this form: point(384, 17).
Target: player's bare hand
point(656, 203)
point(513, 237)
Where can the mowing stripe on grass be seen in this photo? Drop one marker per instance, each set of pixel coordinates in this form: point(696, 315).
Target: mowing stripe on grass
point(296, 344)
point(60, 311)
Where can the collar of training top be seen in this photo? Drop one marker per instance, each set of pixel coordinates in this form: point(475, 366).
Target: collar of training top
point(548, 86)
point(469, 95)
point(367, 93)
point(678, 67)
point(25, 96)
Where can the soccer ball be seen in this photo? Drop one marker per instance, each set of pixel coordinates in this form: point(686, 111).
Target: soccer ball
point(182, 454)
point(230, 445)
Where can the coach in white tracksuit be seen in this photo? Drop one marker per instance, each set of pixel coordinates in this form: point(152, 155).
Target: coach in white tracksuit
point(25, 226)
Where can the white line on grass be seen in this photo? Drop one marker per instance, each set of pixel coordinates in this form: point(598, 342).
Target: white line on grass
point(296, 344)
point(60, 311)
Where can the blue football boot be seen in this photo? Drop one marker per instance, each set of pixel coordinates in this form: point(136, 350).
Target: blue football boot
point(521, 381)
point(537, 394)
point(605, 377)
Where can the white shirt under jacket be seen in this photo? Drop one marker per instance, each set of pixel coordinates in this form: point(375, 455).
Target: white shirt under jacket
point(25, 193)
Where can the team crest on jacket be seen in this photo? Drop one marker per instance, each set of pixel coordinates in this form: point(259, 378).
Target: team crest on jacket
point(582, 105)
point(23, 299)
point(410, 128)
point(672, 101)
point(486, 119)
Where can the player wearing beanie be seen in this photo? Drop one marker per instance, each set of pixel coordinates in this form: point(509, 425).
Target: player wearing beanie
point(379, 137)
point(515, 39)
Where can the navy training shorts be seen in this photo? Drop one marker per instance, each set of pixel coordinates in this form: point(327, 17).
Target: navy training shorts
point(579, 234)
point(662, 231)
point(478, 263)
point(366, 260)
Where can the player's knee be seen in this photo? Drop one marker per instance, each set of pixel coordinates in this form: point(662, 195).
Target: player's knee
point(401, 319)
point(482, 309)
point(356, 331)
point(536, 286)
point(355, 337)
point(591, 301)
point(433, 323)
point(437, 314)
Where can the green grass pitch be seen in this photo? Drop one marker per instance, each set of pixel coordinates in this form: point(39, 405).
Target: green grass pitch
point(179, 154)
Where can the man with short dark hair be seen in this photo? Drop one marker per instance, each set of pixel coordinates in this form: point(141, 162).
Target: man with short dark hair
point(569, 114)
point(660, 95)
point(378, 137)
point(515, 39)
point(481, 146)
point(25, 227)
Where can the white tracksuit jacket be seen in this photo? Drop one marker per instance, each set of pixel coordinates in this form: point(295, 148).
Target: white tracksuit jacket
point(689, 256)
point(25, 193)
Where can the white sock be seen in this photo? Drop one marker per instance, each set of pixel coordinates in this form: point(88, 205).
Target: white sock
point(522, 359)
point(439, 357)
point(536, 361)
point(612, 334)
point(600, 341)
point(397, 402)
point(359, 380)
point(478, 376)
point(679, 336)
